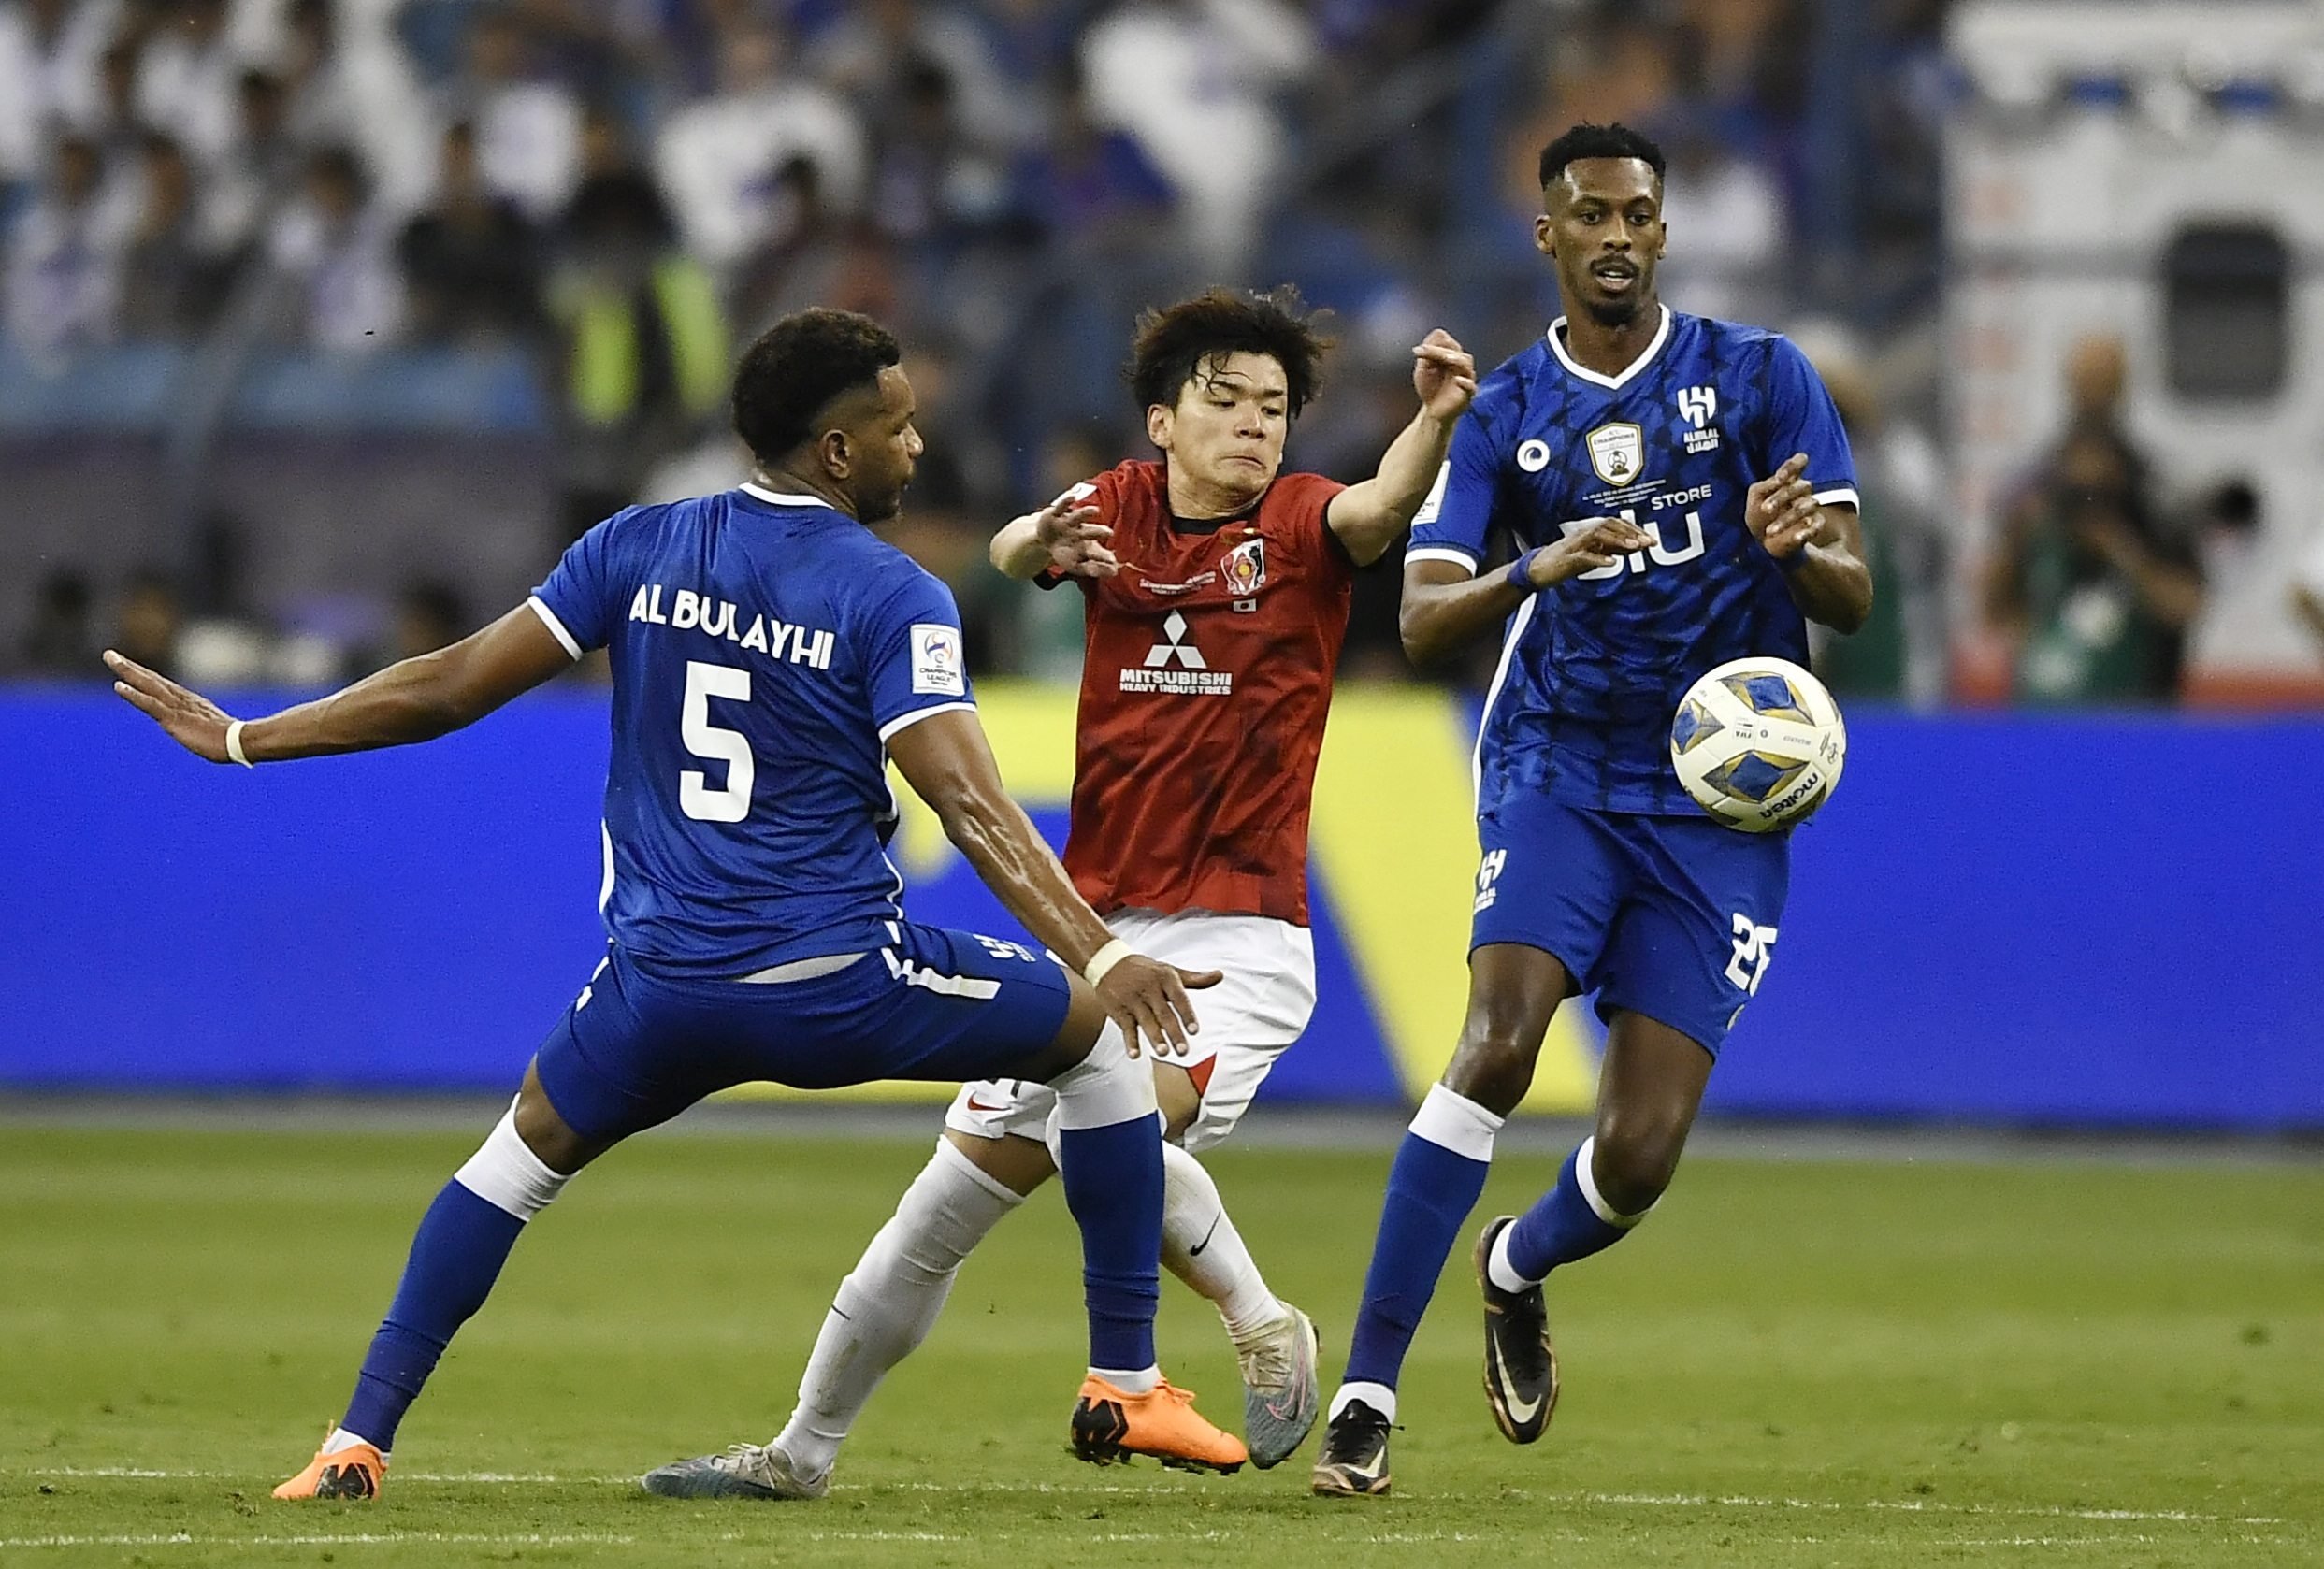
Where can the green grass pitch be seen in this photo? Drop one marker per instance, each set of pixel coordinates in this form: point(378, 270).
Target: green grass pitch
point(1807, 1364)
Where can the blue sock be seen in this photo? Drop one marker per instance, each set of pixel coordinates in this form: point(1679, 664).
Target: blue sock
point(1114, 1186)
point(1430, 1192)
point(1562, 1227)
point(455, 1256)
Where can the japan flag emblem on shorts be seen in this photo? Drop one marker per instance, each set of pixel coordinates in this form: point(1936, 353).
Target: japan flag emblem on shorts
point(1244, 568)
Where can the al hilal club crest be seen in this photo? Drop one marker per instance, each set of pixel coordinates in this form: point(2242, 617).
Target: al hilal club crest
point(1244, 568)
point(1617, 452)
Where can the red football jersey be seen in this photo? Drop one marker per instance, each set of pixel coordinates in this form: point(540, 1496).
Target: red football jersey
point(1205, 679)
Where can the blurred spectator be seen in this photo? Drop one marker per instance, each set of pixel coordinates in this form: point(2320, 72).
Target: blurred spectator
point(1194, 81)
point(528, 128)
point(1900, 654)
point(115, 129)
point(644, 356)
point(876, 50)
point(48, 74)
point(149, 622)
point(63, 271)
point(2094, 585)
point(1091, 184)
point(171, 280)
point(351, 84)
point(110, 118)
point(470, 262)
point(58, 641)
point(1725, 219)
point(429, 614)
point(929, 176)
point(187, 77)
point(801, 259)
point(1107, 219)
point(257, 173)
point(717, 158)
point(333, 247)
point(1746, 63)
point(1029, 42)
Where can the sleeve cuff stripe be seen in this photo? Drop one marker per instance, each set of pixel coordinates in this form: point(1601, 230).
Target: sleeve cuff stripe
point(905, 721)
point(1843, 493)
point(1454, 553)
point(556, 627)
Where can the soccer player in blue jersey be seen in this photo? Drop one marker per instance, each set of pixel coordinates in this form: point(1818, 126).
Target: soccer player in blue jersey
point(1682, 494)
point(769, 657)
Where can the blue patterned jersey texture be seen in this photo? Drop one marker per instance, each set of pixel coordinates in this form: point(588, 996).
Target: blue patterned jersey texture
point(1593, 669)
point(765, 647)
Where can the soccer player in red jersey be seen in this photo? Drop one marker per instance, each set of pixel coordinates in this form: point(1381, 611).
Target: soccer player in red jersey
point(1217, 592)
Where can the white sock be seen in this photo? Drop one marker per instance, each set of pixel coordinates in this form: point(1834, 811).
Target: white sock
point(1500, 1270)
point(1202, 1247)
point(1138, 1382)
point(890, 1302)
point(507, 1175)
point(1379, 1397)
point(341, 1439)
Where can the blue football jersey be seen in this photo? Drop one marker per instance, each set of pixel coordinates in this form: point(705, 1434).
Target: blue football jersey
point(1593, 669)
point(764, 647)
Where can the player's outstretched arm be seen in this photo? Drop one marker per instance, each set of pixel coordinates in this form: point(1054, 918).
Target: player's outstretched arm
point(948, 763)
point(417, 699)
point(1060, 535)
point(1368, 516)
point(1444, 607)
point(1819, 546)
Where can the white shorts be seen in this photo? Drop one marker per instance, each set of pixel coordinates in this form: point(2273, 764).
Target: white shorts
point(1248, 1018)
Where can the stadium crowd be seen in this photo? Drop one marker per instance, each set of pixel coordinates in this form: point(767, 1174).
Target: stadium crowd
point(620, 192)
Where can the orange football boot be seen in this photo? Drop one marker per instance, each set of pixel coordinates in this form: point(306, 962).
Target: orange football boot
point(355, 1472)
point(1111, 1424)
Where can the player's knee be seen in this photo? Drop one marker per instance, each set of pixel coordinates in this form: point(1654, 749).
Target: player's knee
point(1106, 1087)
point(1635, 1161)
point(1493, 1065)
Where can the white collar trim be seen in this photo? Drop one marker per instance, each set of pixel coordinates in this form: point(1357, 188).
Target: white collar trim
point(1557, 347)
point(781, 498)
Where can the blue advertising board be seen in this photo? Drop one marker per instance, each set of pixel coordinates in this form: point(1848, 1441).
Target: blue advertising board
point(2086, 920)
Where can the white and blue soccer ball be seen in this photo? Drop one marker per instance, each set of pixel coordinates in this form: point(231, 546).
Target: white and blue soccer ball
point(1759, 744)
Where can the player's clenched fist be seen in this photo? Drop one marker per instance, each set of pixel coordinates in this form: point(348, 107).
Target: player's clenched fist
point(1444, 374)
point(1585, 547)
point(1780, 510)
point(1149, 998)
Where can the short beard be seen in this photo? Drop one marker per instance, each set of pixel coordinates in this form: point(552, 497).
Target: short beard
point(1614, 312)
point(879, 509)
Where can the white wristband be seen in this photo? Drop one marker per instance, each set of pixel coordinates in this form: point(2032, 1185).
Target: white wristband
point(1103, 960)
point(234, 743)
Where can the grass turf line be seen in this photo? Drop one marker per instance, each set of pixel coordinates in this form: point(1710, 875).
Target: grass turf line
point(1792, 1364)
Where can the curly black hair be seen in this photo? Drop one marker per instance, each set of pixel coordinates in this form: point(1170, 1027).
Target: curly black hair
point(795, 370)
point(1176, 341)
point(1599, 141)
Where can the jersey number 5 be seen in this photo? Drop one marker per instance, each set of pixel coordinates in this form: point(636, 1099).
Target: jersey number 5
point(730, 803)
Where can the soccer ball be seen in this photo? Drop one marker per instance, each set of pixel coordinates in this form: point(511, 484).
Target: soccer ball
point(1758, 744)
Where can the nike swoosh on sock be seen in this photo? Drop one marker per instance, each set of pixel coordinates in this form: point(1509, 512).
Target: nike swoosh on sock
point(1196, 1251)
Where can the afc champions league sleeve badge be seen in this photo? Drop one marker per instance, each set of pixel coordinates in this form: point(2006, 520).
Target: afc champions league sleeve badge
point(938, 669)
point(1244, 572)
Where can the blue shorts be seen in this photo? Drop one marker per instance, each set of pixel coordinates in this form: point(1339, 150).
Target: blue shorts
point(636, 1049)
point(1672, 918)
